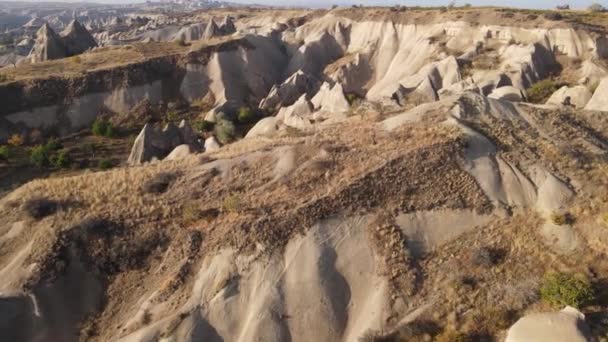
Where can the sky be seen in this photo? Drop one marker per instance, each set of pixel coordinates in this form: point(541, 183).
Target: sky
point(325, 3)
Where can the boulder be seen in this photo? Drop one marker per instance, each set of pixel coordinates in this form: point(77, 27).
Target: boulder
point(180, 152)
point(211, 144)
point(567, 325)
point(599, 100)
point(331, 99)
point(152, 143)
point(288, 92)
point(577, 96)
point(302, 108)
point(507, 93)
point(266, 127)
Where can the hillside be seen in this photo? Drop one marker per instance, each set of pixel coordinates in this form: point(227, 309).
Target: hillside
point(356, 174)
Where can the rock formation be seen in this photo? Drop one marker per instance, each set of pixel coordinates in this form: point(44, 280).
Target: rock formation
point(48, 45)
point(74, 40)
point(599, 100)
point(567, 325)
point(77, 39)
point(152, 143)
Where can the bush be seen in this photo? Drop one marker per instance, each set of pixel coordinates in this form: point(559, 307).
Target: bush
point(487, 257)
point(561, 289)
point(39, 155)
point(225, 132)
point(38, 208)
point(246, 115)
point(595, 7)
point(103, 128)
point(105, 164)
point(232, 202)
point(76, 59)
point(53, 145)
point(560, 219)
point(5, 153)
point(61, 160)
point(204, 125)
point(15, 140)
point(541, 91)
point(158, 184)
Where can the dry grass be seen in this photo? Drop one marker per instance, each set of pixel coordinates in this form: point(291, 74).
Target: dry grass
point(105, 58)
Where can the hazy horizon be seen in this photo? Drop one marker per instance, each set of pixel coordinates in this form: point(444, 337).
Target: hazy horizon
point(325, 3)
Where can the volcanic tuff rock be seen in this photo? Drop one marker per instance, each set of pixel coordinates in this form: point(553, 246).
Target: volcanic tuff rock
point(48, 45)
point(414, 189)
point(152, 143)
point(74, 40)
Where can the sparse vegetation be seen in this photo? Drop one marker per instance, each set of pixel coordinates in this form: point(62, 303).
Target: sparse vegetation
point(561, 289)
point(39, 156)
point(560, 219)
point(38, 208)
point(61, 160)
point(5, 153)
point(105, 164)
point(246, 115)
point(191, 212)
point(540, 91)
point(103, 128)
point(232, 202)
point(487, 257)
point(225, 131)
point(16, 140)
point(451, 335)
point(76, 59)
point(204, 125)
point(159, 183)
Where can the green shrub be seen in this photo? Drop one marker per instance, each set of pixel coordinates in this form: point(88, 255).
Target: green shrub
point(105, 164)
point(103, 128)
point(53, 145)
point(61, 160)
point(233, 202)
point(225, 131)
point(39, 155)
point(5, 153)
point(204, 125)
point(171, 116)
point(561, 289)
point(540, 92)
point(246, 115)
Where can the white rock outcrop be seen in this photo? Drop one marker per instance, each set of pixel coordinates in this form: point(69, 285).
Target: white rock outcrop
point(599, 100)
point(567, 325)
point(211, 144)
point(331, 99)
point(577, 96)
point(507, 93)
point(267, 127)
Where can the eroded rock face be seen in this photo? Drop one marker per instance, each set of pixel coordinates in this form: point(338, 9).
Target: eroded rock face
point(152, 143)
point(599, 100)
point(577, 96)
point(48, 45)
point(77, 39)
point(567, 325)
point(290, 91)
point(74, 40)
